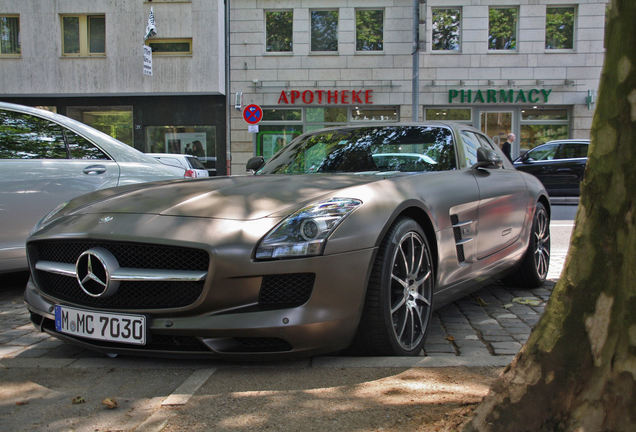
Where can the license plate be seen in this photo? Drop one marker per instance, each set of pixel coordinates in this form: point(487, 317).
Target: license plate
point(125, 328)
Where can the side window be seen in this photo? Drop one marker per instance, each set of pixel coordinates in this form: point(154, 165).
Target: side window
point(581, 150)
point(547, 152)
point(81, 148)
point(23, 136)
point(572, 151)
point(485, 143)
point(471, 144)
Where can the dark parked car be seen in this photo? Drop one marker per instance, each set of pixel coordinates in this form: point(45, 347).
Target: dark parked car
point(558, 164)
point(336, 241)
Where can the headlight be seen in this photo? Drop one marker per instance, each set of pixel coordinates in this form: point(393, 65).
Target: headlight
point(304, 233)
point(48, 218)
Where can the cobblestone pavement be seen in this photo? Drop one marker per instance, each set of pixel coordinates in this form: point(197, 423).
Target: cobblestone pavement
point(495, 321)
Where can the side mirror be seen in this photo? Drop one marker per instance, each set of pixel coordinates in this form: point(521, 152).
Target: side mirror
point(255, 163)
point(487, 159)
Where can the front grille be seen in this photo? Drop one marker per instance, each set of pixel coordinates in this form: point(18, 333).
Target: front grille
point(128, 254)
point(286, 290)
point(130, 295)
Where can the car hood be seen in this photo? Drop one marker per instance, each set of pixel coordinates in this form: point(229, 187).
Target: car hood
point(238, 198)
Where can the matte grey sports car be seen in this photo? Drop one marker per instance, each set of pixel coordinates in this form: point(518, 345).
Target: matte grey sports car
point(345, 238)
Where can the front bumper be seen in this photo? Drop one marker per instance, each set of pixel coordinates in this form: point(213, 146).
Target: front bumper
point(327, 322)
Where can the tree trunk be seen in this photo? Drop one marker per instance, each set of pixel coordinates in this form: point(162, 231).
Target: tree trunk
point(577, 370)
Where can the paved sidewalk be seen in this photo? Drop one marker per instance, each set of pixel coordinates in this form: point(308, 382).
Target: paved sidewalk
point(487, 327)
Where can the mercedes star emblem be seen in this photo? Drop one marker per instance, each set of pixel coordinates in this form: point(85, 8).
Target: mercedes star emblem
point(94, 269)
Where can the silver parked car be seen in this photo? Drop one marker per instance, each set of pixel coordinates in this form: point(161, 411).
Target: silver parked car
point(337, 241)
point(192, 167)
point(47, 159)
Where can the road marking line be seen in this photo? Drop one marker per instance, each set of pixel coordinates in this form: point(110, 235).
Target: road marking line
point(568, 225)
point(184, 392)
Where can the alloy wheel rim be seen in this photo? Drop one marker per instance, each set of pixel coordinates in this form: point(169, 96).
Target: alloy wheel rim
point(411, 291)
point(541, 234)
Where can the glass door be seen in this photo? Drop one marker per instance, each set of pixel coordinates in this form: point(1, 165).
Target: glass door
point(496, 124)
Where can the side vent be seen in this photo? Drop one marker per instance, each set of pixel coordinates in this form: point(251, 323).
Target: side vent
point(461, 231)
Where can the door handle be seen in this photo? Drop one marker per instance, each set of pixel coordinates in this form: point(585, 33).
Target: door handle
point(95, 169)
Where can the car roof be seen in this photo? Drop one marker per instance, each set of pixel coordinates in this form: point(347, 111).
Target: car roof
point(565, 141)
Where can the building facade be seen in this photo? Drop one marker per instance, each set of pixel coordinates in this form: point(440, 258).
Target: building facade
point(86, 60)
point(530, 67)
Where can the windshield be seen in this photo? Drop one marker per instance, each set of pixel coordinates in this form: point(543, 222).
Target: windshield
point(366, 149)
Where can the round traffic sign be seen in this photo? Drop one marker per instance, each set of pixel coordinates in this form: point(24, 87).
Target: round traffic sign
point(253, 114)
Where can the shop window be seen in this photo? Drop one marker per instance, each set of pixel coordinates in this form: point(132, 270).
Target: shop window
point(496, 124)
point(324, 30)
point(9, 35)
point(502, 28)
point(279, 31)
point(446, 29)
point(326, 115)
point(116, 121)
point(544, 114)
point(199, 141)
point(271, 138)
point(559, 28)
point(278, 114)
point(375, 114)
point(83, 35)
point(533, 135)
point(369, 30)
point(540, 125)
point(454, 114)
point(181, 46)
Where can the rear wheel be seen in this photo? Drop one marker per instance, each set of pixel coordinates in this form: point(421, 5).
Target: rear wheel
point(398, 306)
point(533, 269)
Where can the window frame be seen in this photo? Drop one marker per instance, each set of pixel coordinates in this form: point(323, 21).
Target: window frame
point(381, 9)
point(574, 28)
point(460, 30)
point(148, 42)
point(516, 31)
point(19, 53)
point(291, 48)
point(83, 35)
point(311, 50)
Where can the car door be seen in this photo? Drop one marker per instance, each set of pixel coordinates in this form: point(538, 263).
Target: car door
point(541, 162)
point(42, 164)
point(502, 202)
point(567, 170)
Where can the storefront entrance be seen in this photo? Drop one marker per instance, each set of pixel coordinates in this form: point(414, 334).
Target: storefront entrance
point(496, 124)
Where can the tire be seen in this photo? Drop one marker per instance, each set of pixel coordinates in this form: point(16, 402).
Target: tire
point(533, 268)
point(398, 304)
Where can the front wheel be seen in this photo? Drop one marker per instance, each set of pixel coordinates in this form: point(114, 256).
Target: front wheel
point(398, 305)
point(533, 269)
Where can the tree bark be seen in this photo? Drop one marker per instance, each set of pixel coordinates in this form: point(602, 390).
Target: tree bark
point(577, 370)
